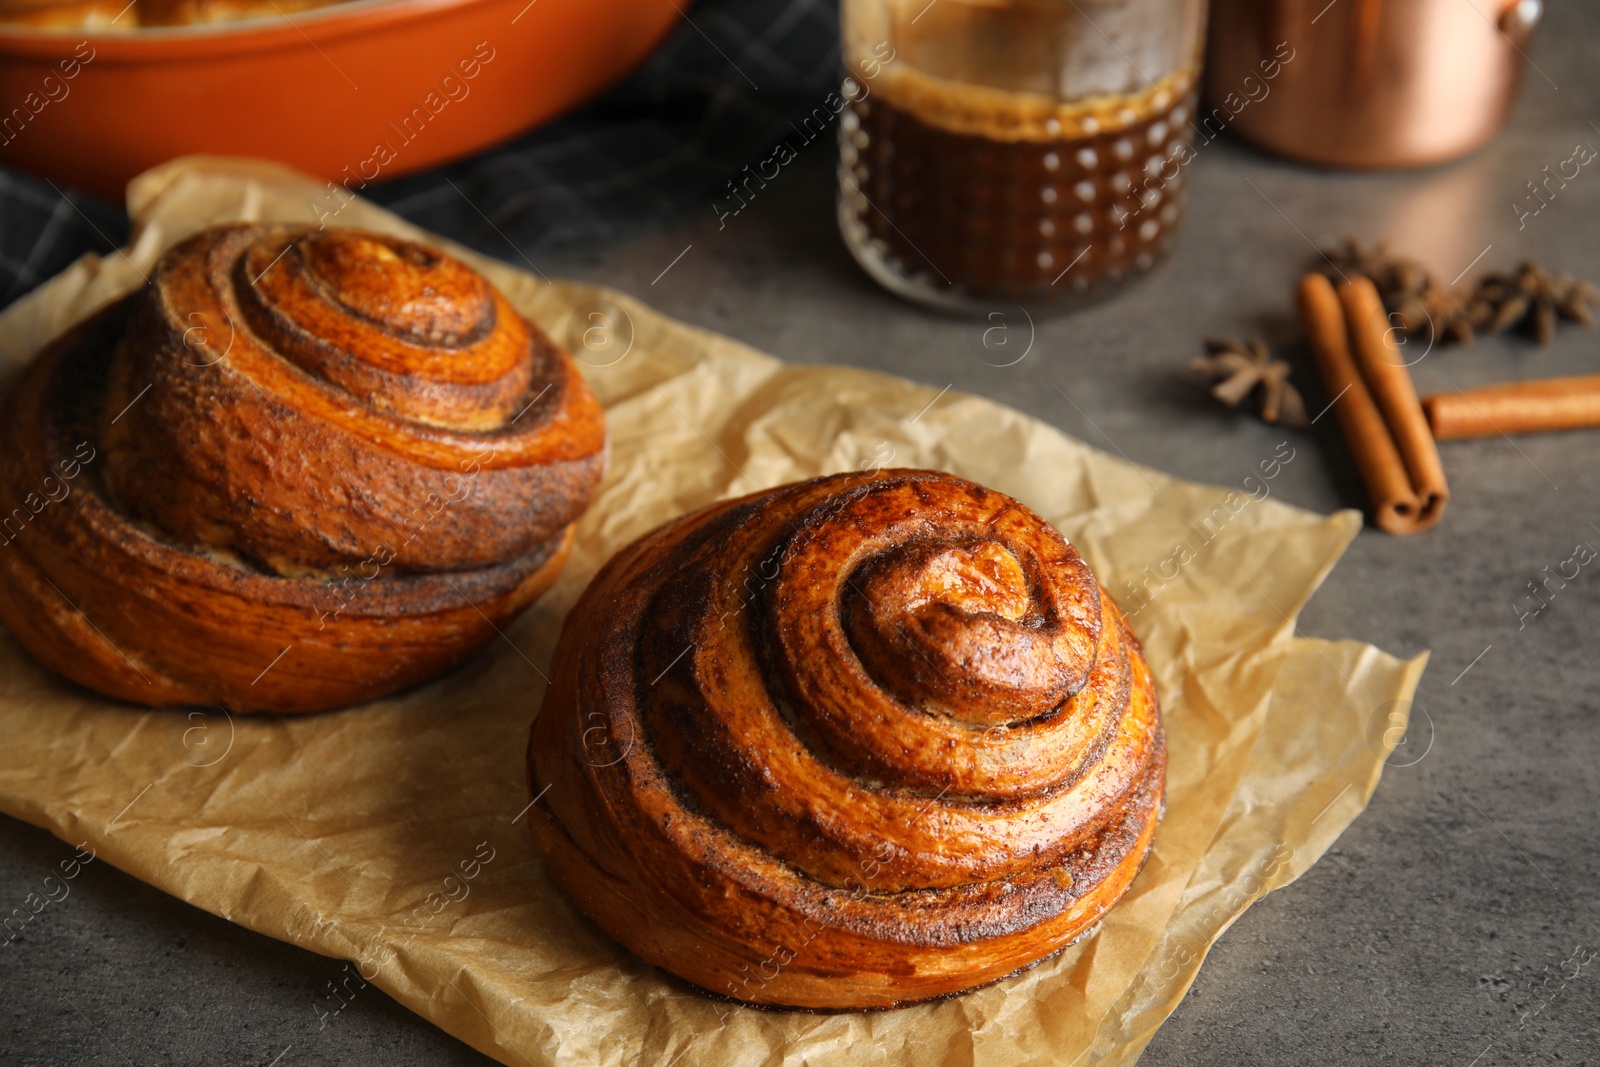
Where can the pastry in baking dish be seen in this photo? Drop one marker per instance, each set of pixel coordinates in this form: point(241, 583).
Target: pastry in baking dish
point(105, 16)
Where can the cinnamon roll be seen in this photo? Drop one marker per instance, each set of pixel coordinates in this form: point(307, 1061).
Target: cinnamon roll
point(300, 469)
point(849, 743)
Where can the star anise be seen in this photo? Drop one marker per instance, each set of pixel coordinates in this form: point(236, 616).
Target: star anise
point(1420, 306)
point(1440, 315)
point(1396, 278)
point(1242, 369)
point(1535, 300)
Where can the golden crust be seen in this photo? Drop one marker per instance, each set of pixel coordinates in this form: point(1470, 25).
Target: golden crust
point(98, 15)
point(129, 15)
point(205, 12)
point(737, 794)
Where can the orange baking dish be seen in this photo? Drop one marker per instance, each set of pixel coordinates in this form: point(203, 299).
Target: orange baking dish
point(354, 93)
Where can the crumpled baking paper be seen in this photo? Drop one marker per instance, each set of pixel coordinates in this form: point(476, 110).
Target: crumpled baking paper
point(389, 834)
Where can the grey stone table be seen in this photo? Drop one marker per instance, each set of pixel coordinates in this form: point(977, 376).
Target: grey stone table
point(1453, 923)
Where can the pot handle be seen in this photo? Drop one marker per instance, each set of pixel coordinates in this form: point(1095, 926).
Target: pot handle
point(1519, 18)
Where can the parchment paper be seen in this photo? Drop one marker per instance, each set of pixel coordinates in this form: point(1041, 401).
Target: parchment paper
point(389, 835)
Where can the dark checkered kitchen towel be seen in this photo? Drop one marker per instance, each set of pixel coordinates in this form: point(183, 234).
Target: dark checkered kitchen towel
point(720, 90)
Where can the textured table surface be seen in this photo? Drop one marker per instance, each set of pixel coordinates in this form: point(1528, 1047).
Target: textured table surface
point(1458, 919)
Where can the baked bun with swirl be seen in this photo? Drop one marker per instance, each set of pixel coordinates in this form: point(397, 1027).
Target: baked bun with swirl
point(849, 743)
point(300, 469)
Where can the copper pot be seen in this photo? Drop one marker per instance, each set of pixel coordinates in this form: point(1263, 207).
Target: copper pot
point(1366, 83)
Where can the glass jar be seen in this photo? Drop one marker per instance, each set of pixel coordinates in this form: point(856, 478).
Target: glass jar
point(1014, 151)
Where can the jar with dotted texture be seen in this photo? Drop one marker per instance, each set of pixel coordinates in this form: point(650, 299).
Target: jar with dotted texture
point(1019, 151)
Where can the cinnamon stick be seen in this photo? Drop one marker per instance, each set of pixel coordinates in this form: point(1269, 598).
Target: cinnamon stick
point(1395, 504)
point(1515, 407)
point(1384, 369)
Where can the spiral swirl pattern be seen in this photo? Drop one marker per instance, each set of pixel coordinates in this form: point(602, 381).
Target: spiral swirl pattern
point(336, 446)
point(849, 743)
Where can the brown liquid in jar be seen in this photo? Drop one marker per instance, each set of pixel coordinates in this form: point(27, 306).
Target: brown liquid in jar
point(959, 195)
